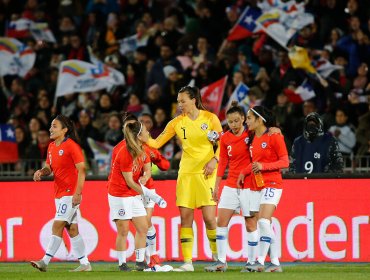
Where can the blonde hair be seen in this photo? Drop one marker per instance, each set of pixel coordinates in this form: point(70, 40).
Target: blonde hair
point(132, 131)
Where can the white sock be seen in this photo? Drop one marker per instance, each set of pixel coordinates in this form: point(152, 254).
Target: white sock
point(147, 254)
point(52, 248)
point(151, 240)
point(221, 241)
point(78, 247)
point(121, 255)
point(140, 254)
point(265, 239)
point(252, 246)
point(274, 255)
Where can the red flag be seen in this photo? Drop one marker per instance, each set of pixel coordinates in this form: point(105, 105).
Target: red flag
point(300, 94)
point(8, 145)
point(246, 26)
point(212, 95)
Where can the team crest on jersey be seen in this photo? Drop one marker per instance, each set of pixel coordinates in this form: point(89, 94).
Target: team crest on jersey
point(204, 126)
point(121, 212)
point(61, 152)
point(264, 145)
point(246, 140)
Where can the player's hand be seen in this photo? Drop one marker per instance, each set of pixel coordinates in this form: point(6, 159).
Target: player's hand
point(209, 167)
point(274, 130)
point(240, 181)
point(256, 167)
point(76, 199)
point(215, 194)
point(37, 175)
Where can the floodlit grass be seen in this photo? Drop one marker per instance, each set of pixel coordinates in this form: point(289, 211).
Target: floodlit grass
point(109, 271)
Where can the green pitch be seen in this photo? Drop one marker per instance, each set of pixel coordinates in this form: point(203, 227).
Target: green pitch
point(109, 271)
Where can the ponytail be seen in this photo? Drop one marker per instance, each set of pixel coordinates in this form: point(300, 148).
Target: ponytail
point(132, 131)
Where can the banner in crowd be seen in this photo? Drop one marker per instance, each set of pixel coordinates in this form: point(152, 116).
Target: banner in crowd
point(23, 28)
point(8, 145)
point(316, 220)
point(300, 94)
point(246, 24)
point(80, 76)
point(15, 57)
point(212, 95)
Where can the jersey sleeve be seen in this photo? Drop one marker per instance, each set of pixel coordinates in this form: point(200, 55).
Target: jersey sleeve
point(216, 124)
point(158, 159)
point(76, 153)
point(281, 151)
point(223, 158)
point(164, 137)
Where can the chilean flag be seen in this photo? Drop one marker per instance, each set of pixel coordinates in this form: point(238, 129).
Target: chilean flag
point(212, 95)
point(246, 24)
point(302, 93)
point(8, 145)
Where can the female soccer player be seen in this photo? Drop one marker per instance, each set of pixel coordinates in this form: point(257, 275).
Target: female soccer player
point(234, 153)
point(125, 187)
point(196, 177)
point(66, 161)
point(269, 155)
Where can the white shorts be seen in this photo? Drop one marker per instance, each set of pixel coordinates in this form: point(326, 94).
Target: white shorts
point(65, 211)
point(270, 196)
point(126, 208)
point(235, 199)
point(148, 203)
point(254, 200)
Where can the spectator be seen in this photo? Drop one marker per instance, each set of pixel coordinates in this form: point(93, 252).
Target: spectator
point(86, 130)
point(343, 132)
point(114, 134)
point(135, 106)
point(34, 126)
point(161, 119)
point(315, 151)
point(37, 152)
point(363, 133)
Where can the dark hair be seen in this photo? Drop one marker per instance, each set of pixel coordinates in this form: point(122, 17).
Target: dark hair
point(193, 92)
point(235, 108)
point(67, 123)
point(127, 116)
point(131, 132)
point(265, 113)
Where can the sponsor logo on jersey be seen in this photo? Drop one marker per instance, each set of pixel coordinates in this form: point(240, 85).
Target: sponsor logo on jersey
point(264, 145)
point(317, 155)
point(61, 152)
point(204, 126)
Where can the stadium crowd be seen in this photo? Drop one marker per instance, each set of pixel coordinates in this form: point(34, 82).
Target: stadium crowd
point(183, 41)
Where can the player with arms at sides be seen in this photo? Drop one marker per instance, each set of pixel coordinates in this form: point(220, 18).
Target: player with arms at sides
point(163, 164)
point(269, 155)
point(65, 160)
point(125, 187)
point(196, 176)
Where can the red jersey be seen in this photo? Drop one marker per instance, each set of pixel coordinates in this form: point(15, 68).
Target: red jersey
point(114, 155)
point(233, 151)
point(271, 152)
point(159, 160)
point(62, 160)
point(123, 162)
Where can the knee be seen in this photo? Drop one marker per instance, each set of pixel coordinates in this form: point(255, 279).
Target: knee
point(73, 230)
point(264, 224)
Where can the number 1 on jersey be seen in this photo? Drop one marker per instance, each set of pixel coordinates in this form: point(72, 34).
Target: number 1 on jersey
point(183, 129)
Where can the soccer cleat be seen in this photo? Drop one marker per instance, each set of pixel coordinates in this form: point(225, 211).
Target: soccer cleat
point(158, 268)
point(273, 268)
point(154, 260)
point(82, 268)
point(140, 266)
point(245, 268)
point(40, 265)
point(186, 267)
point(124, 267)
point(217, 266)
point(257, 266)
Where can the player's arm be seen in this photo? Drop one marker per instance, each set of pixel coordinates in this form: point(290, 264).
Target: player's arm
point(147, 173)
point(81, 175)
point(216, 126)
point(131, 183)
point(45, 171)
point(335, 158)
point(243, 173)
point(220, 169)
point(293, 160)
point(164, 137)
point(159, 160)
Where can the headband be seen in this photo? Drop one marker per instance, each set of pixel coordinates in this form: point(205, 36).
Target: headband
point(258, 114)
point(141, 128)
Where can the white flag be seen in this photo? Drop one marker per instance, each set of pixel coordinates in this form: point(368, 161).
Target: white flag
point(80, 76)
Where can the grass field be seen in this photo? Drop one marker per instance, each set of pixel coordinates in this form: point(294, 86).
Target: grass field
point(109, 271)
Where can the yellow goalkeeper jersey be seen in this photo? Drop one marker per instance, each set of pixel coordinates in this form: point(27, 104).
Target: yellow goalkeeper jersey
point(197, 149)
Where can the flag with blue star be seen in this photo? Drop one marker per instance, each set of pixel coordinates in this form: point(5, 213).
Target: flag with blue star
point(246, 24)
point(8, 145)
